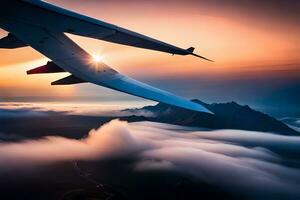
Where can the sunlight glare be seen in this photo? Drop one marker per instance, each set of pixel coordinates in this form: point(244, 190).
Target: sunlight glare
point(97, 58)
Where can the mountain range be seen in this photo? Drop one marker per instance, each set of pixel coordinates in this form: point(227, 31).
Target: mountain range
point(226, 116)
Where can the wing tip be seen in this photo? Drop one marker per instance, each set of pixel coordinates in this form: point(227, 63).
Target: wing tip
point(191, 50)
point(195, 107)
point(209, 112)
point(193, 54)
point(204, 110)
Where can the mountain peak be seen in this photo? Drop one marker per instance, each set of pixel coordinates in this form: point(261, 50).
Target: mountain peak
point(230, 115)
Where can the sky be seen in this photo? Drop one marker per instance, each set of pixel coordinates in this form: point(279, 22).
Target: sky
point(255, 46)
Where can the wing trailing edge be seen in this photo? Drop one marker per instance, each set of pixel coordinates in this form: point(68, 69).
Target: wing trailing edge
point(11, 42)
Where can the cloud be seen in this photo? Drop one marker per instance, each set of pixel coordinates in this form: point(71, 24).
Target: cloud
point(10, 137)
point(292, 122)
point(248, 164)
point(9, 110)
point(7, 113)
point(110, 141)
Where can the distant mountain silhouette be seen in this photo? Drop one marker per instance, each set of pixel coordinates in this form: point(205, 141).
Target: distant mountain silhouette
point(226, 116)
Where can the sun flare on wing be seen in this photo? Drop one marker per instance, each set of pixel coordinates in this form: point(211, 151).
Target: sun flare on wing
point(97, 58)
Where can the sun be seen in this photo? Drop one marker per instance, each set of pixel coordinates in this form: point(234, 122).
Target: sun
point(97, 58)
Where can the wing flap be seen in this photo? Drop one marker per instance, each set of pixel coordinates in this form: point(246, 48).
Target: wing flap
point(11, 42)
point(69, 80)
point(50, 67)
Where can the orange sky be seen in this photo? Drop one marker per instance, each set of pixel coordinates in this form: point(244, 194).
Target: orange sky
point(239, 43)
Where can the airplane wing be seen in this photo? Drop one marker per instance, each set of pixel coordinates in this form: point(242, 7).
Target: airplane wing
point(112, 79)
point(119, 82)
point(67, 56)
point(62, 20)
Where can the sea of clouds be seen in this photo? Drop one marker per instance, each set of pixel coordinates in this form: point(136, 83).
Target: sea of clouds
point(253, 165)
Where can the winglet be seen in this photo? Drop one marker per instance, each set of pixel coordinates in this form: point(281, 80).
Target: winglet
point(191, 49)
point(191, 52)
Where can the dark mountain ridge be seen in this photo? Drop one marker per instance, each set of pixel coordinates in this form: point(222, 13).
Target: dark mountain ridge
point(226, 116)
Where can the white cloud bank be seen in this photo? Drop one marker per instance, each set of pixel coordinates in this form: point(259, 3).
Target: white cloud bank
point(251, 164)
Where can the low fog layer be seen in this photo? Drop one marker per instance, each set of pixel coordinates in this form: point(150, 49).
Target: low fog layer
point(248, 164)
point(8, 110)
point(292, 122)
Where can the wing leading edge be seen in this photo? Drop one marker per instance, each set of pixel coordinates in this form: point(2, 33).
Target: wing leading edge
point(128, 85)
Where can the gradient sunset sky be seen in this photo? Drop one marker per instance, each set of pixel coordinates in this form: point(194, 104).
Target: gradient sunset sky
point(255, 46)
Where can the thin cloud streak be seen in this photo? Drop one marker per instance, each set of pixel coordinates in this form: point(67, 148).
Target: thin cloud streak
point(19, 109)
